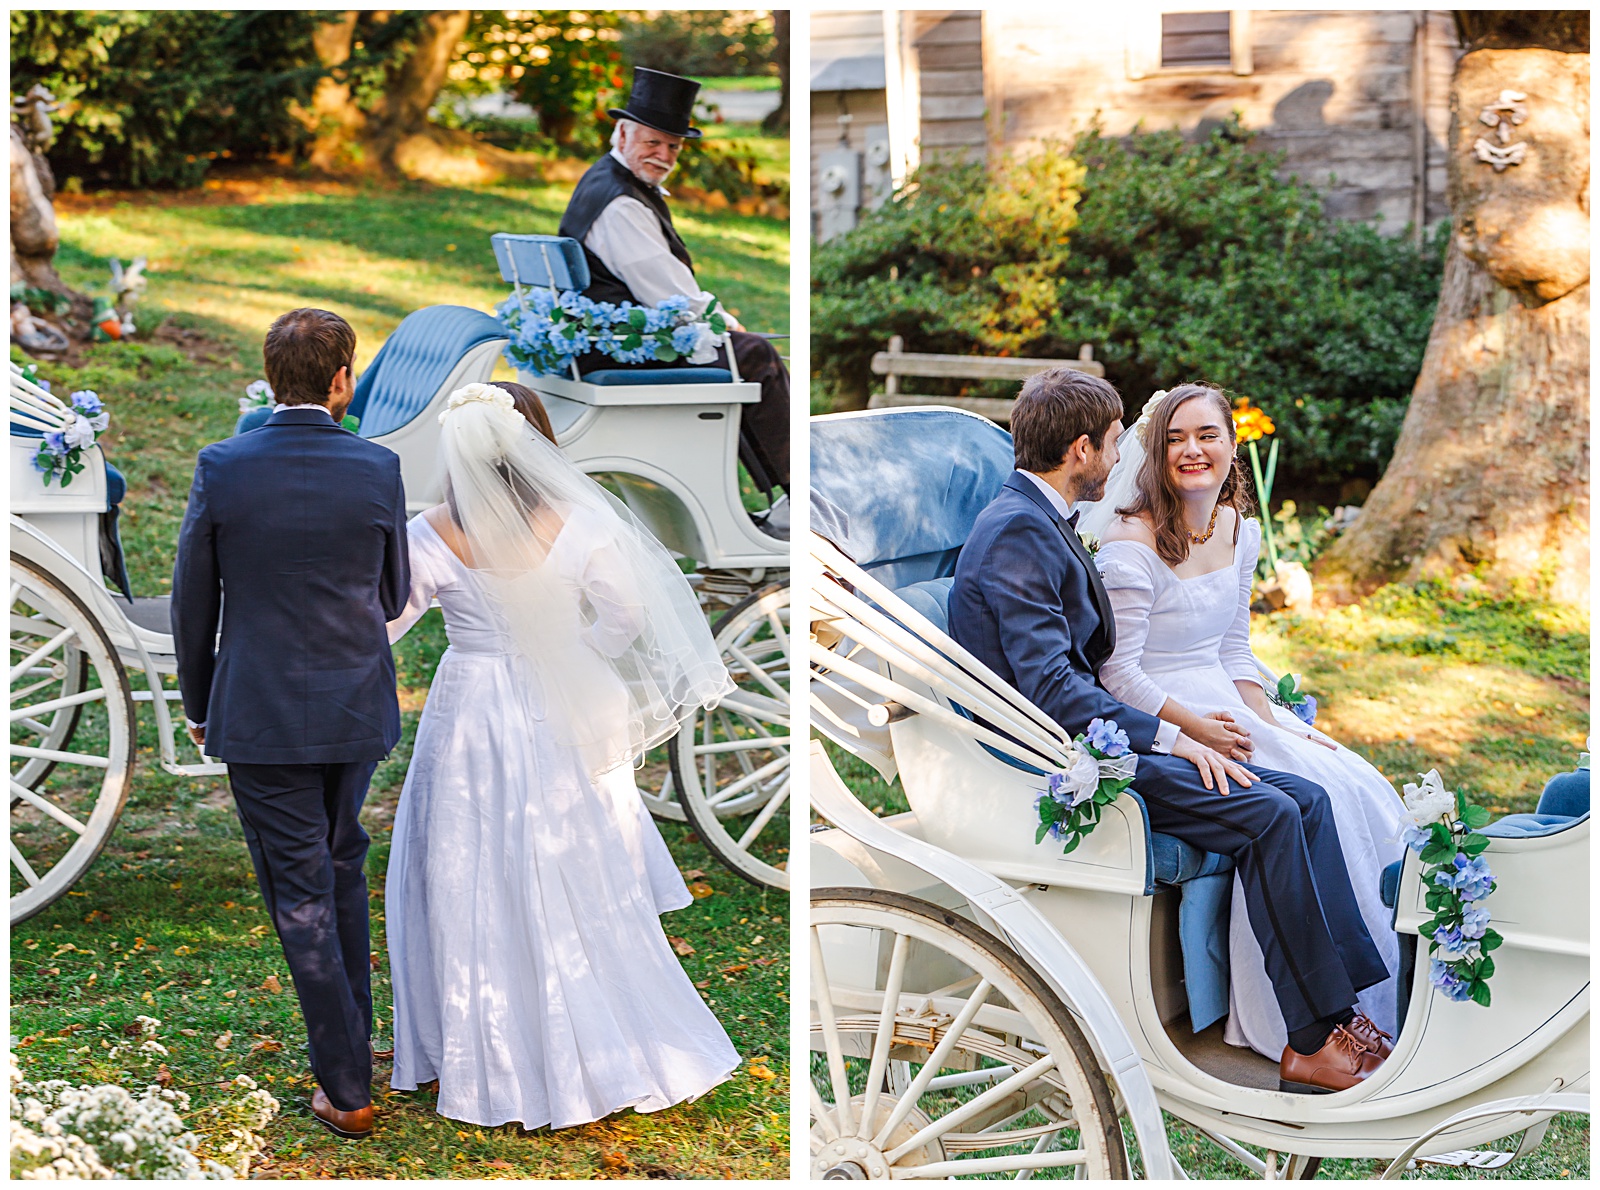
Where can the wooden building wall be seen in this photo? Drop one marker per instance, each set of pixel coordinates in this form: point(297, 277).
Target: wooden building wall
point(1339, 92)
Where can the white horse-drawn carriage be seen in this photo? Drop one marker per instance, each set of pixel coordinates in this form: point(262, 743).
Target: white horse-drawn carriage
point(667, 441)
point(984, 1005)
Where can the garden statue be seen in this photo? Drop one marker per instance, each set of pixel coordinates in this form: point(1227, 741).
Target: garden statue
point(38, 294)
point(618, 212)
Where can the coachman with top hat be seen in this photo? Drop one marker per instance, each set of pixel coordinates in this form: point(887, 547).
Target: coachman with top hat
point(619, 214)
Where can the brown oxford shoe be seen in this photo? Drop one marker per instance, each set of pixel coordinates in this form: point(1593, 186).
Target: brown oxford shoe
point(352, 1125)
point(1343, 1061)
point(1375, 1039)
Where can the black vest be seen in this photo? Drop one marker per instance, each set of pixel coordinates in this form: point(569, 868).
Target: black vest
point(603, 181)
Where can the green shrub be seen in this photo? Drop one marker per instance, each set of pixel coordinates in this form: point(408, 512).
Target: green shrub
point(1187, 260)
point(151, 98)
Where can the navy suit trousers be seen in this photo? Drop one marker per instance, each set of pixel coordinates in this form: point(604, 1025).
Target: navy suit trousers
point(301, 823)
point(1281, 835)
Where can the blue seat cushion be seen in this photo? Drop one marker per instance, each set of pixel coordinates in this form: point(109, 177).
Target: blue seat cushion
point(1566, 793)
point(612, 377)
point(1389, 883)
point(414, 362)
point(1528, 826)
point(252, 419)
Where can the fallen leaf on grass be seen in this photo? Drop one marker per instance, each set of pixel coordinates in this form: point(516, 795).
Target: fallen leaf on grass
point(704, 983)
point(761, 1072)
point(223, 1041)
point(693, 874)
point(681, 945)
point(266, 1045)
point(99, 915)
point(189, 1032)
point(164, 1076)
point(613, 1161)
point(259, 930)
point(80, 1025)
point(271, 984)
point(372, 958)
point(699, 889)
point(765, 962)
point(498, 1164)
point(736, 968)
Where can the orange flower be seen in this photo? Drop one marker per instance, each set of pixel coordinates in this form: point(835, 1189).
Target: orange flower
point(1250, 422)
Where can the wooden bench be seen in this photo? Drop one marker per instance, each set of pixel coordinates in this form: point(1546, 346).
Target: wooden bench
point(898, 362)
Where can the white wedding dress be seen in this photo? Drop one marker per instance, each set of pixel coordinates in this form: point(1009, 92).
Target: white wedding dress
point(531, 974)
point(1188, 639)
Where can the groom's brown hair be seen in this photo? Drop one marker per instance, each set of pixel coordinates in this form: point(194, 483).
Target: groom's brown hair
point(1054, 409)
point(304, 351)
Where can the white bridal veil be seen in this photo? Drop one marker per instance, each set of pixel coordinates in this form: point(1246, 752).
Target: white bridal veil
point(618, 649)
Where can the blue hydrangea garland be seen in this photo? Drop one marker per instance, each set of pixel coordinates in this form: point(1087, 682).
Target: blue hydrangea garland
point(547, 331)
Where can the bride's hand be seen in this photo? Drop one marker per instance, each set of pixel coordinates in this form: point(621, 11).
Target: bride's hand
point(1219, 732)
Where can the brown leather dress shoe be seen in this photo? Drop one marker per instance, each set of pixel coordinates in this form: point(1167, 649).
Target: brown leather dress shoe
point(1374, 1038)
point(352, 1125)
point(1343, 1061)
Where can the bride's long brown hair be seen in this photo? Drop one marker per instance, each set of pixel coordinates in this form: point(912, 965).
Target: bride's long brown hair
point(1156, 499)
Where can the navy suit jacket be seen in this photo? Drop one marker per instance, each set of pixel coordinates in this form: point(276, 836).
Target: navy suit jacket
point(303, 525)
point(1028, 603)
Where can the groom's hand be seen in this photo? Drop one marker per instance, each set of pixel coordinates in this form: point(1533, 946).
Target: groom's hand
point(1220, 733)
point(1215, 768)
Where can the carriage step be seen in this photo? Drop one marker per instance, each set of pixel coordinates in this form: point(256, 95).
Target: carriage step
point(1302, 1088)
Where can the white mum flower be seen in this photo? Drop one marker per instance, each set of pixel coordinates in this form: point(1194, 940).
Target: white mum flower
point(1430, 801)
point(488, 394)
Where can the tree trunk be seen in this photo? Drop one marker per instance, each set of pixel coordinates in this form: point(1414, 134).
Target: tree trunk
point(349, 140)
point(1491, 469)
point(777, 121)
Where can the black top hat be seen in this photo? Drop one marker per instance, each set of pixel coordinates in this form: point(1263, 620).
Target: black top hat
point(661, 101)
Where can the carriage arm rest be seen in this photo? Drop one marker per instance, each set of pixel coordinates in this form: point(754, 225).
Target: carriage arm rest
point(740, 393)
point(1027, 931)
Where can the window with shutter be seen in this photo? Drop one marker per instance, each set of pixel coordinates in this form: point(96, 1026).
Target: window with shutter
point(1196, 39)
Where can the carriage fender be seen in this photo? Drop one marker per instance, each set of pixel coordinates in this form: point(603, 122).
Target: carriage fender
point(1027, 932)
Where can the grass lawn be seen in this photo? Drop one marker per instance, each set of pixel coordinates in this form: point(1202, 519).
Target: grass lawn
point(1491, 691)
point(168, 922)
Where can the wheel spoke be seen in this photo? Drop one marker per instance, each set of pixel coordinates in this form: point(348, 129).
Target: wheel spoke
point(959, 1169)
point(780, 635)
point(743, 783)
point(919, 1085)
point(756, 706)
point(767, 811)
point(760, 675)
point(23, 866)
point(49, 646)
point(821, 1114)
point(1045, 1141)
point(39, 803)
point(972, 1107)
point(744, 745)
point(94, 762)
point(830, 1034)
point(885, 1039)
point(56, 704)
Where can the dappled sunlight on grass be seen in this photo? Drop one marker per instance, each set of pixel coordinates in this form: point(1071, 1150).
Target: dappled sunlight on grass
point(1494, 692)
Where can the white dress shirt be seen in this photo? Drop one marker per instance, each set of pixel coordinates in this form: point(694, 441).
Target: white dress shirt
point(627, 237)
point(1166, 733)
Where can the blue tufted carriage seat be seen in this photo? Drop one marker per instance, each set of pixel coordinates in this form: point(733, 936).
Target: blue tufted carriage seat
point(909, 483)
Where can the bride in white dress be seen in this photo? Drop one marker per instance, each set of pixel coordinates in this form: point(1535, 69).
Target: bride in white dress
point(531, 974)
point(1178, 571)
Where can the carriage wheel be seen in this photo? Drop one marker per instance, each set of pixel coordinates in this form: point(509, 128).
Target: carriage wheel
point(938, 1053)
point(730, 764)
point(61, 820)
point(656, 787)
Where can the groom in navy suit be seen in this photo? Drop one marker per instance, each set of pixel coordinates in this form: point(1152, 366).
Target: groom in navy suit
point(1028, 602)
point(303, 526)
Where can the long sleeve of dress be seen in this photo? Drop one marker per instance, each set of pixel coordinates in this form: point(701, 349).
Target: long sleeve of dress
point(1238, 662)
point(424, 583)
point(1131, 586)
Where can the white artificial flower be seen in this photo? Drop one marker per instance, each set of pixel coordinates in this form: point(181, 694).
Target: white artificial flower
point(147, 1025)
point(1143, 423)
point(1429, 802)
point(1082, 779)
point(153, 1047)
point(488, 394)
point(705, 345)
point(80, 432)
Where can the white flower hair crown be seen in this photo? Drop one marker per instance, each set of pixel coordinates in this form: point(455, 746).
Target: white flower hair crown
point(487, 394)
point(1140, 426)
